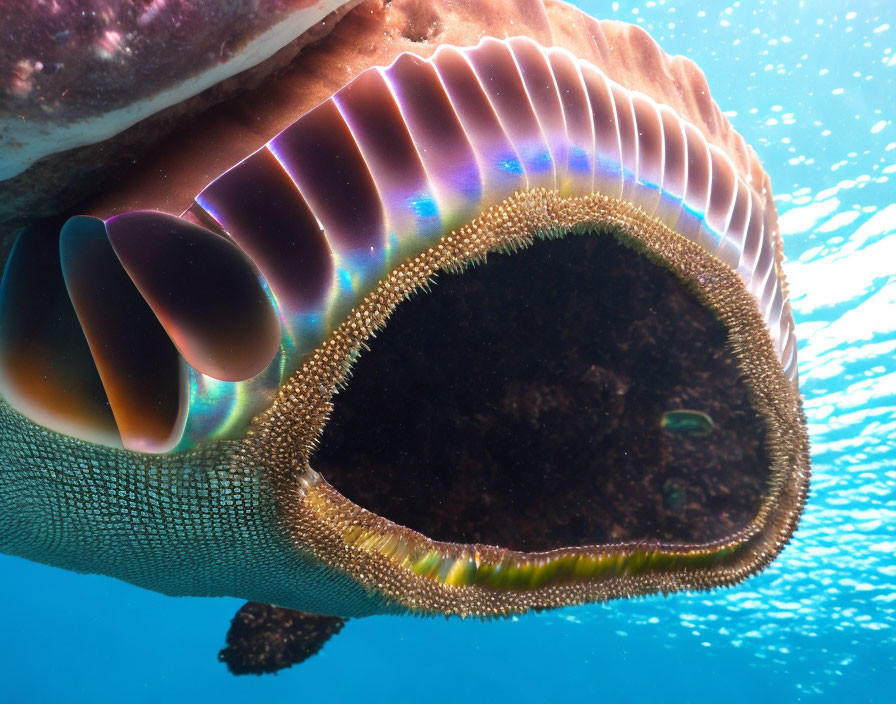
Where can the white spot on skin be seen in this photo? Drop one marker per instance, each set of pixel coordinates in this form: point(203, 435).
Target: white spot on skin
point(109, 44)
point(150, 13)
point(20, 84)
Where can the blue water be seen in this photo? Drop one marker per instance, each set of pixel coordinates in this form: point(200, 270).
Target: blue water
point(812, 86)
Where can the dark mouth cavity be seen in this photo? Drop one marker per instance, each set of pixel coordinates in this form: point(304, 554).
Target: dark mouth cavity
point(570, 394)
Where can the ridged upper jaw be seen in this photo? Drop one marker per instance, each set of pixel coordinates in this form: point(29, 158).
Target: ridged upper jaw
point(412, 571)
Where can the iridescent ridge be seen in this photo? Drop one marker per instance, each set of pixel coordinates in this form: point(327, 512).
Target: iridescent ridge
point(37, 319)
point(699, 181)
point(260, 207)
point(375, 120)
point(320, 153)
point(722, 194)
point(651, 152)
point(628, 141)
point(675, 167)
point(499, 164)
point(608, 172)
point(733, 243)
point(139, 366)
point(505, 90)
point(202, 289)
point(445, 151)
point(578, 121)
point(544, 95)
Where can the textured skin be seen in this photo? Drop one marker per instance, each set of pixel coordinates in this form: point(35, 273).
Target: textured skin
point(202, 523)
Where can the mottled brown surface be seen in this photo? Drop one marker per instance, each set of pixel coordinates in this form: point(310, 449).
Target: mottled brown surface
point(73, 59)
point(264, 639)
point(54, 72)
point(519, 405)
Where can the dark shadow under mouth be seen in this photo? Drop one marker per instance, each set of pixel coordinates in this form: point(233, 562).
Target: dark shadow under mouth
point(570, 394)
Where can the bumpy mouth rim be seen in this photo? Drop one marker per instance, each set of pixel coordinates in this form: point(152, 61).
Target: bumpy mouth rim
point(424, 575)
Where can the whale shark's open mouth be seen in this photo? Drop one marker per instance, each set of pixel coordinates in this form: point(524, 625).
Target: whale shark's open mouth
point(589, 410)
point(542, 400)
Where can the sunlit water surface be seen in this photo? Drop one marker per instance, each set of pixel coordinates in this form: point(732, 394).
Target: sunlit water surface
point(812, 86)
